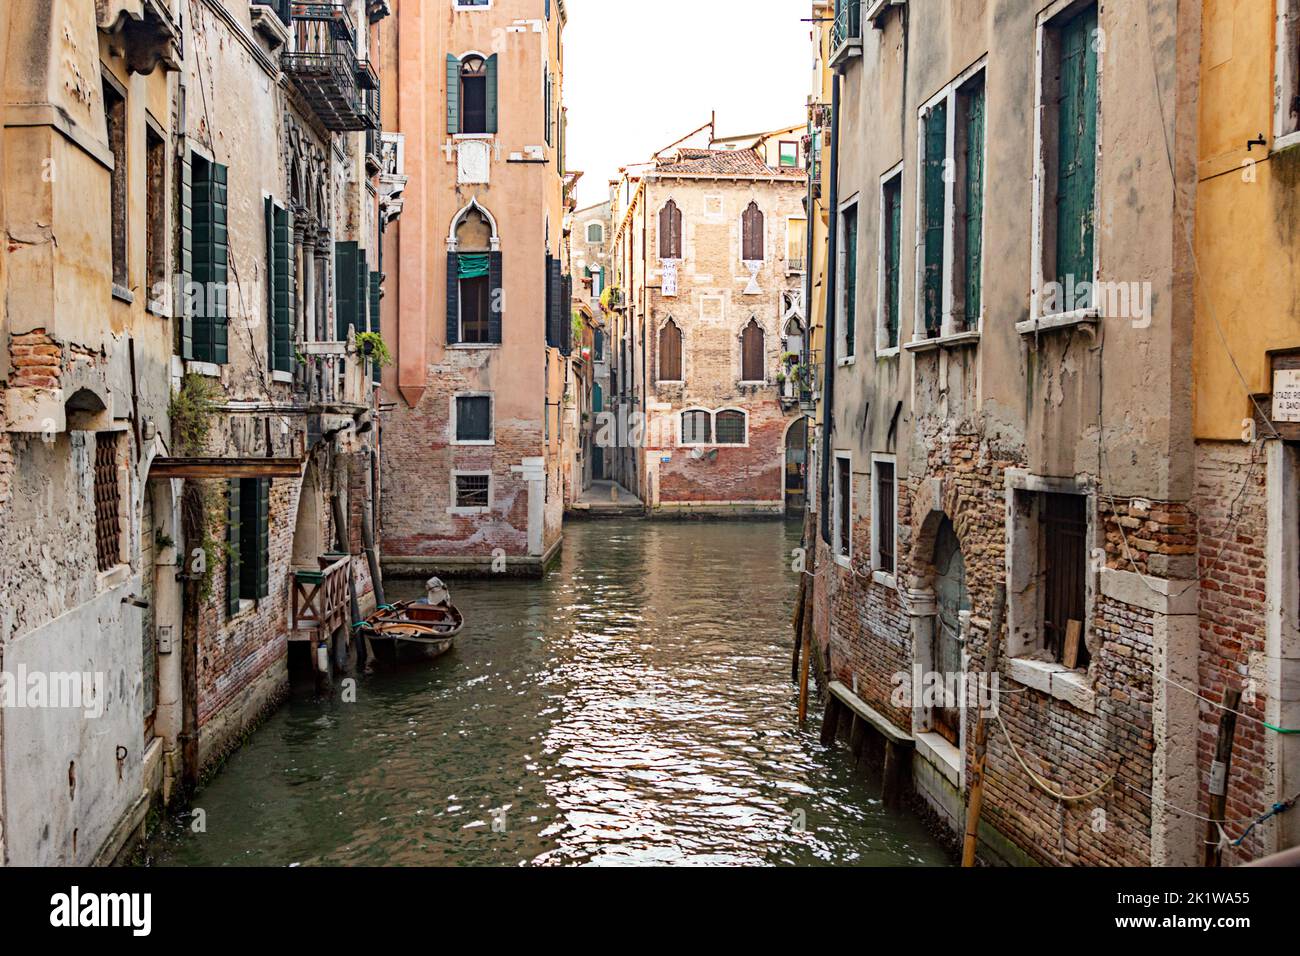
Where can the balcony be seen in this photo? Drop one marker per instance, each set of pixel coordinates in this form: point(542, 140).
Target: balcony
point(320, 599)
point(333, 376)
point(846, 34)
point(322, 64)
point(143, 32)
point(392, 176)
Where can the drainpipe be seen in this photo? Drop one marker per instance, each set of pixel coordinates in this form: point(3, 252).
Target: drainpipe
point(832, 274)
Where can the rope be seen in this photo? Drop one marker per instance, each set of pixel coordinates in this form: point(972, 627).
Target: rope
point(1043, 784)
point(1215, 703)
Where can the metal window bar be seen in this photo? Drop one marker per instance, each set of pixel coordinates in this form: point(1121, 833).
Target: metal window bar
point(472, 491)
point(885, 516)
point(108, 524)
point(1064, 527)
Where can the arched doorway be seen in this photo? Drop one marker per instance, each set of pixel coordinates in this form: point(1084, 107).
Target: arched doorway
point(796, 467)
point(951, 599)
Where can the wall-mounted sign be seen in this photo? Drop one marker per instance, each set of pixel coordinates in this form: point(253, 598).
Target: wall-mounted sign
point(1286, 395)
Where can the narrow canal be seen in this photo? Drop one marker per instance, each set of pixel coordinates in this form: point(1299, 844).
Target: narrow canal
point(633, 708)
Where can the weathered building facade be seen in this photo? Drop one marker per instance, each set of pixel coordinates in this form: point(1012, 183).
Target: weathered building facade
point(709, 259)
point(479, 318)
point(1008, 339)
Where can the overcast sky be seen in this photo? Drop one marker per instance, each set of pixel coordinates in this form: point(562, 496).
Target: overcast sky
point(639, 74)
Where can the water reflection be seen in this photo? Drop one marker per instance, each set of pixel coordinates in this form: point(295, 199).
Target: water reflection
point(633, 708)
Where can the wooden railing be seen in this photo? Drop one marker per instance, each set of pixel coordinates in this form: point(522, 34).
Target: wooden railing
point(320, 600)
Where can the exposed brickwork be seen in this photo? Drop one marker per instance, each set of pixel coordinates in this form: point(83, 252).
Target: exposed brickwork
point(36, 361)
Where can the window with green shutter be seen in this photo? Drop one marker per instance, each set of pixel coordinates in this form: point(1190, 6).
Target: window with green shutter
point(849, 270)
point(892, 234)
point(234, 535)
point(453, 94)
point(185, 254)
point(376, 295)
point(279, 247)
point(970, 211)
point(346, 301)
point(1076, 159)
point(933, 207)
point(254, 538)
point(493, 110)
point(211, 254)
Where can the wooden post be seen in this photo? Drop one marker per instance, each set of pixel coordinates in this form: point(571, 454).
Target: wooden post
point(976, 802)
point(799, 609)
point(897, 758)
point(830, 720)
point(1219, 773)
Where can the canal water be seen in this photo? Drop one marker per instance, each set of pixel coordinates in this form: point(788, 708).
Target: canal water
point(633, 708)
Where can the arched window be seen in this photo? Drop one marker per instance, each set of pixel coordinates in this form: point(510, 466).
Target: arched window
point(474, 272)
point(730, 427)
point(751, 226)
point(697, 427)
point(595, 232)
point(751, 353)
point(670, 352)
point(670, 231)
point(472, 94)
point(794, 336)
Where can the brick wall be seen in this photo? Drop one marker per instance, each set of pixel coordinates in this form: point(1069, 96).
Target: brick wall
point(35, 360)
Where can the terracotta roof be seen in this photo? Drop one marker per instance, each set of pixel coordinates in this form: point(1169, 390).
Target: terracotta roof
point(722, 162)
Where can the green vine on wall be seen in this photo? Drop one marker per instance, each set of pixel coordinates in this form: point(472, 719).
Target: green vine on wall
point(193, 410)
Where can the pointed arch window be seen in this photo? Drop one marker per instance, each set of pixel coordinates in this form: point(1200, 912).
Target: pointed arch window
point(670, 352)
point(751, 227)
point(474, 280)
point(751, 352)
point(670, 231)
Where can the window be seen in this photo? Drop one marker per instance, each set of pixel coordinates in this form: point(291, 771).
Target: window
point(891, 248)
point(474, 278)
point(1286, 108)
point(1063, 557)
point(108, 503)
point(279, 256)
point(751, 228)
point(595, 233)
point(472, 94)
point(796, 240)
point(206, 312)
point(474, 301)
point(462, 4)
point(472, 419)
point(952, 208)
point(883, 527)
point(751, 353)
point(248, 541)
point(848, 294)
point(670, 352)
point(789, 154)
point(474, 491)
point(670, 231)
point(730, 428)
point(115, 117)
point(697, 427)
point(843, 531)
point(1068, 160)
point(156, 218)
point(598, 345)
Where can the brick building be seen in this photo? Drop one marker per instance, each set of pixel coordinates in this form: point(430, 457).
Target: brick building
point(480, 315)
point(708, 259)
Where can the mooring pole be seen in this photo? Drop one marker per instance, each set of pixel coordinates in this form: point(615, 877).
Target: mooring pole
point(1219, 772)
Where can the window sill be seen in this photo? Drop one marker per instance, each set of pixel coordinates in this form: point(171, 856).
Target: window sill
point(473, 346)
point(1283, 143)
point(886, 579)
point(157, 308)
point(474, 444)
point(1062, 320)
point(465, 137)
point(752, 382)
point(892, 352)
point(285, 378)
point(844, 561)
point(123, 294)
point(468, 512)
point(953, 340)
point(1051, 678)
point(206, 369)
point(850, 360)
point(940, 754)
point(114, 577)
point(246, 605)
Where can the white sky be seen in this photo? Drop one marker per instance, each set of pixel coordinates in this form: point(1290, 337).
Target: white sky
point(639, 74)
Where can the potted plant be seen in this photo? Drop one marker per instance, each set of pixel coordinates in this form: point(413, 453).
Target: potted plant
point(374, 347)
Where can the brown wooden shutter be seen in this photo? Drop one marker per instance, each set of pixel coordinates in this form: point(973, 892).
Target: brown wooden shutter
point(752, 229)
point(752, 353)
point(670, 231)
point(670, 353)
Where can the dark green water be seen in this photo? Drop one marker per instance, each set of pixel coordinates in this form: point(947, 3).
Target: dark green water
point(633, 708)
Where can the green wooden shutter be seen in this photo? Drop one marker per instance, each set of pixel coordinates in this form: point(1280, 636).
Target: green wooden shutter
point(186, 253)
point(936, 153)
point(376, 294)
point(851, 282)
point(255, 538)
point(345, 289)
point(284, 286)
point(492, 93)
point(220, 264)
point(973, 253)
point(453, 94)
point(453, 298)
point(205, 253)
point(268, 227)
point(496, 296)
point(1077, 153)
point(363, 291)
point(893, 252)
point(233, 536)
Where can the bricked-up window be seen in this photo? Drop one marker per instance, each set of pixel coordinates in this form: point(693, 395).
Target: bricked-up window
point(751, 228)
point(108, 519)
point(697, 427)
point(670, 231)
point(884, 516)
point(474, 418)
point(843, 506)
point(115, 116)
point(1063, 529)
point(473, 491)
point(730, 427)
point(670, 352)
point(752, 348)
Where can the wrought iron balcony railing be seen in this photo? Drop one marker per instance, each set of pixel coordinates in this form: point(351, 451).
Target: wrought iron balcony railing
point(322, 63)
point(847, 30)
point(281, 8)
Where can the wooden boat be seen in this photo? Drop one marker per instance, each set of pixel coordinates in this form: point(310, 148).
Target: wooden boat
point(432, 627)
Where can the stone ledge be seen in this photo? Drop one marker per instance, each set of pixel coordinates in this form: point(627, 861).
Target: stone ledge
point(940, 754)
point(853, 702)
point(1054, 680)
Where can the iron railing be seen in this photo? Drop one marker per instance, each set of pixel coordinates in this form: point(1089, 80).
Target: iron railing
point(323, 64)
point(848, 23)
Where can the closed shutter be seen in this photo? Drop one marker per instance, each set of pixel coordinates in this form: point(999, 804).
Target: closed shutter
point(936, 152)
point(233, 535)
point(752, 234)
point(1077, 153)
point(268, 227)
point(752, 349)
point(453, 94)
point(185, 250)
point(255, 538)
point(492, 110)
point(566, 315)
point(670, 352)
point(211, 262)
point(670, 231)
point(893, 251)
point(284, 291)
point(554, 307)
point(345, 286)
point(973, 256)
point(453, 298)
point(496, 296)
point(376, 294)
point(851, 281)
point(363, 291)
